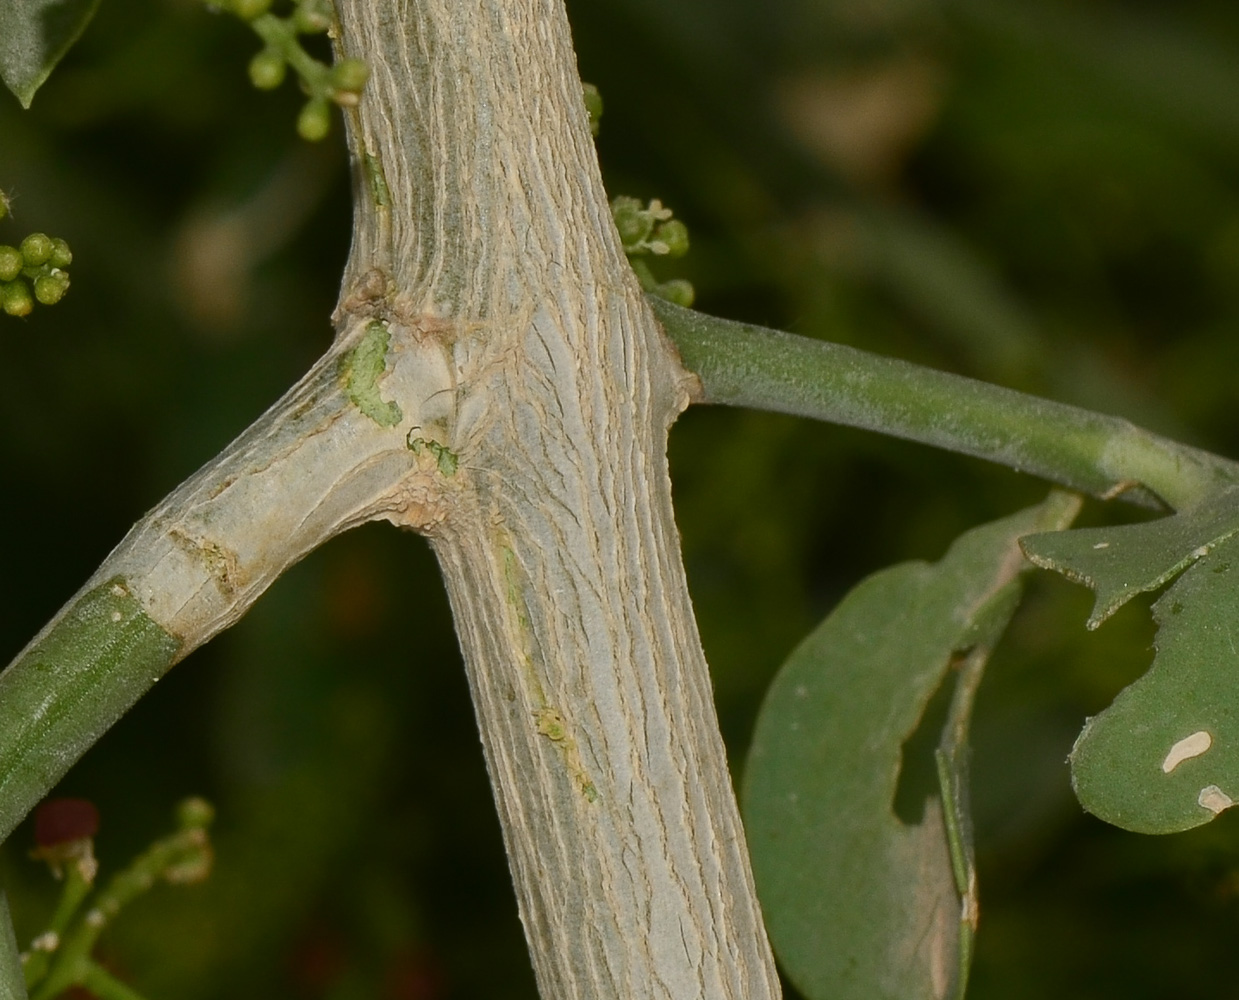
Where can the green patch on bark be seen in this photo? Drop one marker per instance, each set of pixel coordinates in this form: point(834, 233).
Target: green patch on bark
point(380, 194)
point(364, 365)
point(445, 459)
point(550, 723)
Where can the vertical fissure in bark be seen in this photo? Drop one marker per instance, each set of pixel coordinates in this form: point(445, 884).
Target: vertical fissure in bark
point(559, 549)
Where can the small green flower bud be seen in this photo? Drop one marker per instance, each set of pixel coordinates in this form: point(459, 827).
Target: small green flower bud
point(36, 249)
point(4, 204)
point(61, 256)
point(310, 19)
point(314, 122)
point(194, 864)
point(632, 221)
point(267, 69)
point(194, 814)
point(677, 290)
point(593, 105)
point(15, 298)
point(350, 75)
point(674, 235)
point(50, 288)
point(11, 263)
point(247, 10)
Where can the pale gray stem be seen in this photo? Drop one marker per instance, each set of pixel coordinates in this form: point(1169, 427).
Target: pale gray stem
point(333, 452)
point(486, 228)
point(499, 384)
point(312, 466)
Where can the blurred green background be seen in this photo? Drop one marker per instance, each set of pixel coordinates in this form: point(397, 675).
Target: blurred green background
point(1037, 192)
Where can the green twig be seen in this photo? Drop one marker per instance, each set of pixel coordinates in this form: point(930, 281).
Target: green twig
point(12, 982)
point(280, 34)
point(67, 688)
point(952, 758)
point(1107, 457)
point(39, 960)
point(105, 986)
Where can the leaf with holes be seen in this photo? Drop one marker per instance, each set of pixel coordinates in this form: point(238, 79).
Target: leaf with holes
point(1164, 756)
point(858, 905)
point(34, 36)
point(1120, 562)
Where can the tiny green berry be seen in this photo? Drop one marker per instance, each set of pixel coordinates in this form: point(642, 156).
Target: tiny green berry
point(36, 249)
point(11, 263)
point(350, 75)
point(314, 122)
point(674, 235)
point(61, 256)
point(677, 290)
point(50, 288)
point(310, 19)
point(247, 10)
point(267, 69)
point(15, 298)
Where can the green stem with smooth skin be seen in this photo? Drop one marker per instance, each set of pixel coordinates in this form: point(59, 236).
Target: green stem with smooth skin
point(76, 889)
point(1107, 457)
point(105, 986)
point(12, 983)
point(68, 688)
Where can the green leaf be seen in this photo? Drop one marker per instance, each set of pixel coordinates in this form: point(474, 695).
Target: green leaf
point(1120, 562)
point(858, 905)
point(34, 36)
point(1164, 756)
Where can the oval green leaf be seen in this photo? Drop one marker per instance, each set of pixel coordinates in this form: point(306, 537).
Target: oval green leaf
point(34, 36)
point(860, 906)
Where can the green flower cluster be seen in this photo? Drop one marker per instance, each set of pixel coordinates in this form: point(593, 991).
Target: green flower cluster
point(650, 230)
point(34, 270)
point(323, 85)
point(645, 229)
point(61, 958)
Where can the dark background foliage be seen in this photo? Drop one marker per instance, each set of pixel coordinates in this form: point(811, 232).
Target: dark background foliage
point(1036, 192)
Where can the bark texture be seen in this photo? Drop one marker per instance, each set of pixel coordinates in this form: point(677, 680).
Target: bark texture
point(498, 383)
point(483, 228)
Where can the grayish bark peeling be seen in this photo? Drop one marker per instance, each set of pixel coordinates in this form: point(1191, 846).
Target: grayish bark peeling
point(560, 552)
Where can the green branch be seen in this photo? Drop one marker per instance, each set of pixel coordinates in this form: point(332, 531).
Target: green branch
point(1107, 457)
point(69, 686)
point(195, 563)
point(12, 986)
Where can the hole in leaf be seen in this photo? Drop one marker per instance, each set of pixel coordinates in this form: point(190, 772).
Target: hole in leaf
point(918, 771)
